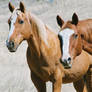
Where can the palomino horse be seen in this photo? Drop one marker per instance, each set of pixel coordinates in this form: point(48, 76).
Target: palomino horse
point(43, 53)
point(72, 46)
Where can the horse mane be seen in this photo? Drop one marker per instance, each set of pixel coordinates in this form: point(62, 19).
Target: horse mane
point(41, 28)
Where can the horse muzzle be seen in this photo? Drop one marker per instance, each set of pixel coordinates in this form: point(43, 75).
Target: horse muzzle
point(12, 47)
point(66, 62)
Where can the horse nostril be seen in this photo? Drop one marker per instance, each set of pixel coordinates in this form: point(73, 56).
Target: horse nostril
point(69, 59)
point(65, 61)
point(11, 43)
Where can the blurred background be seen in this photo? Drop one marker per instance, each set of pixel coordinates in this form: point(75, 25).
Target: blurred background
point(14, 71)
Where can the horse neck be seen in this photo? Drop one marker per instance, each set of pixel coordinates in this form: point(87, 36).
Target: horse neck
point(33, 44)
point(38, 33)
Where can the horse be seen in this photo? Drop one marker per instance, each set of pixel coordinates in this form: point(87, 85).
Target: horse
point(43, 52)
point(72, 48)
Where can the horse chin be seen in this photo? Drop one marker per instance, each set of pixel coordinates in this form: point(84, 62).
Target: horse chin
point(67, 66)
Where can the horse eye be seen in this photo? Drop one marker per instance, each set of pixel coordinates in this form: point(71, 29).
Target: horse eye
point(75, 36)
point(21, 21)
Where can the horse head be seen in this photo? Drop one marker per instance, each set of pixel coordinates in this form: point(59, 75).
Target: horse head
point(19, 26)
point(70, 38)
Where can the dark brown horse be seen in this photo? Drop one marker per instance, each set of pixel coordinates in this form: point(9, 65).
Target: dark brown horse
point(43, 53)
point(71, 44)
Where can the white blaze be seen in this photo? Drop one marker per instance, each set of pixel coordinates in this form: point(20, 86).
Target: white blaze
point(66, 33)
point(13, 20)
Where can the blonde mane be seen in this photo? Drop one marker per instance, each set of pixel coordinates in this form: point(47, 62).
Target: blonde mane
point(41, 28)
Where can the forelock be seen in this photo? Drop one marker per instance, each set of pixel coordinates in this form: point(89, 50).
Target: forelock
point(16, 12)
point(66, 32)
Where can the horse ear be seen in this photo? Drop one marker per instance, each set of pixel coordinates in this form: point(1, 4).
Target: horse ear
point(22, 7)
point(75, 19)
point(11, 7)
point(59, 21)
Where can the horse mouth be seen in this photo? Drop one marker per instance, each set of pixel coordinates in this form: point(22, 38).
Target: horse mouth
point(12, 50)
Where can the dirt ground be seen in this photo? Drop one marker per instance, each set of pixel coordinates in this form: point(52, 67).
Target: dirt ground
point(14, 71)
